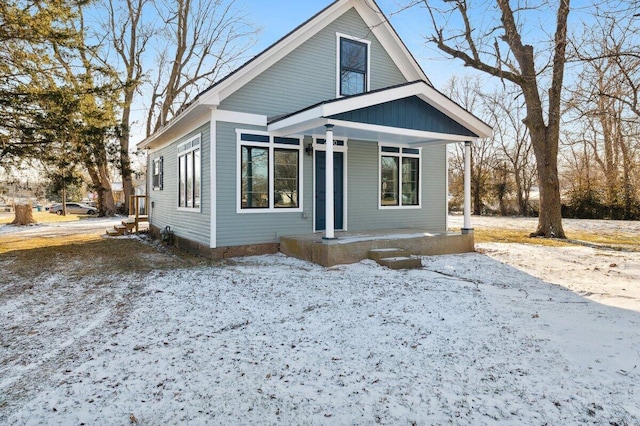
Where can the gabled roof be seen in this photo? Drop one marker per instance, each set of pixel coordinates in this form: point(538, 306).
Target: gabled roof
point(369, 11)
point(413, 113)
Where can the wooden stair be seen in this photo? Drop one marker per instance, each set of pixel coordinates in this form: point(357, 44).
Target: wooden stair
point(395, 258)
point(125, 228)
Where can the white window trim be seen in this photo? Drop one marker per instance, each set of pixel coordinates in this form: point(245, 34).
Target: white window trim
point(400, 155)
point(271, 145)
point(336, 148)
point(360, 40)
point(180, 153)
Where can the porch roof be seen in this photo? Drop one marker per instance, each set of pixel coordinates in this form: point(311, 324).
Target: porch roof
point(412, 113)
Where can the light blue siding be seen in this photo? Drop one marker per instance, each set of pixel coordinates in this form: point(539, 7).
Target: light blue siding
point(308, 74)
point(363, 192)
point(235, 228)
point(193, 225)
point(305, 77)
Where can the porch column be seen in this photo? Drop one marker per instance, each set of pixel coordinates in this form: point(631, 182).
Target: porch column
point(330, 222)
point(467, 229)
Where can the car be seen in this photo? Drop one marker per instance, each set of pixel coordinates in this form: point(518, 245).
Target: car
point(73, 208)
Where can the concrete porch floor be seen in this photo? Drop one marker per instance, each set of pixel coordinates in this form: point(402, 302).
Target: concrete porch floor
point(352, 247)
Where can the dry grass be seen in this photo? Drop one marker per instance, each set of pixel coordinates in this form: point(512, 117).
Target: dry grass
point(20, 243)
point(86, 255)
point(42, 217)
point(608, 239)
point(611, 240)
point(494, 235)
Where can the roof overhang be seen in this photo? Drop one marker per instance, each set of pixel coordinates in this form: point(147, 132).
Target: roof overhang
point(312, 120)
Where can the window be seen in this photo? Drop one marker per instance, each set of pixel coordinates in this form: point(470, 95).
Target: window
point(255, 177)
point(354, 65)
point(399, 176)
point(157, 173)
point(189, 174)
point(270, 172)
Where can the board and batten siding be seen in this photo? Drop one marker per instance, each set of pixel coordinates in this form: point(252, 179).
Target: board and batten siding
point(233, 228)
point(308, 75)
point(163, 204)
point(363, 192)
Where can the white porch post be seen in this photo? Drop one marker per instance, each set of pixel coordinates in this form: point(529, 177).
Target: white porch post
point(329, 218)
point(466, 229)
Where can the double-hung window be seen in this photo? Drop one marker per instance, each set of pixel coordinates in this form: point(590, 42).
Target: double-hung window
point(157, 173)
point(189, 174)
point(269, 172)
point(353, 72)
point(399, 176)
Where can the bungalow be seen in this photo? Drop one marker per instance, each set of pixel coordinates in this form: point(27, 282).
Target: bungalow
point(337, 103)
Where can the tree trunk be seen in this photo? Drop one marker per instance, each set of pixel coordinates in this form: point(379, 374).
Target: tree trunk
point(100, 179)
point(24, 215)
point(550, 216)
point(125, 161)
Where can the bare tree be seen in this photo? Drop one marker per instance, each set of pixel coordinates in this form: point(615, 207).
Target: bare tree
point(204, 40)
point(512, 142)
point(466, 92)
point(604, 105)
point(129, 35)
point(494, 44)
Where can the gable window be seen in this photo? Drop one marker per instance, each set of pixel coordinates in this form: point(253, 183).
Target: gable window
point(399, 176)
point(270, 172)
point(353, 74)
point(189, 174)
point(157, 173)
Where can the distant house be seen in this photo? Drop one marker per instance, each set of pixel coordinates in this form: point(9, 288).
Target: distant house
point(338, 102)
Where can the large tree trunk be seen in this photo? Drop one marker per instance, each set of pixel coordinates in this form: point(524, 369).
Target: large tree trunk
point(100, 179)
point(24, 215)
point(546, 151)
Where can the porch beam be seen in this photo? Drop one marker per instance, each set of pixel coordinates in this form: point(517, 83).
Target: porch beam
point(329, 233)
point(467, 229)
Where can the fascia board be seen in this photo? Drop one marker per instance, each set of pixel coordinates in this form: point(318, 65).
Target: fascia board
point(305, 116)
point(297, 128)
point(194, 113)
point(370, 99)
point(391, 41)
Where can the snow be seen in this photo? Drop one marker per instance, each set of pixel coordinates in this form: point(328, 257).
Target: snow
point(519, 335)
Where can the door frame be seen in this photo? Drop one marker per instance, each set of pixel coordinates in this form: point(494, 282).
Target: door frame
point(345, 195)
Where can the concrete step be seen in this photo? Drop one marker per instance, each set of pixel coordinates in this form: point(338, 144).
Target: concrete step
point(401, 262)
point(377, 254)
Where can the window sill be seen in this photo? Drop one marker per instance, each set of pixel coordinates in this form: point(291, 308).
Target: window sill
point(399, 207)
point(265, 210)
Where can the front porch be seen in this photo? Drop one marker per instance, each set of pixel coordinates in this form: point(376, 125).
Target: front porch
point(352, 247)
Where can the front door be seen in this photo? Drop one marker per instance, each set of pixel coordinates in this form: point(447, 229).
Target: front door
point(338, 190)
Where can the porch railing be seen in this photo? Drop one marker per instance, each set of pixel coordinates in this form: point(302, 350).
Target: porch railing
point(139, 209)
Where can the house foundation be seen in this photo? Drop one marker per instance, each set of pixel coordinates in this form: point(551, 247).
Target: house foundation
point(354, 247)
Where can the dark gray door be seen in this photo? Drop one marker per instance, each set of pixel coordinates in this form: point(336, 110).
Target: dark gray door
point(338, 190)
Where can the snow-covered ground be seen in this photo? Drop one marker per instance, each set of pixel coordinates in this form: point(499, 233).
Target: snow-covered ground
point(513, 336)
